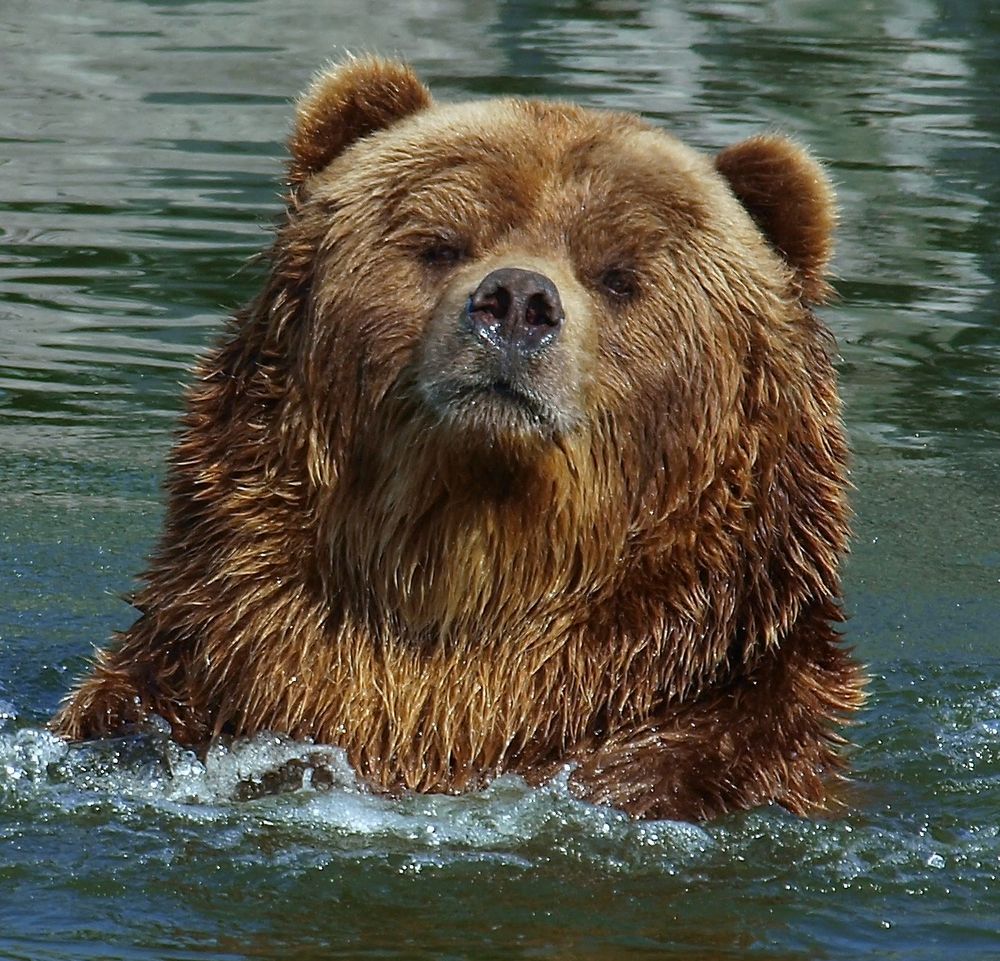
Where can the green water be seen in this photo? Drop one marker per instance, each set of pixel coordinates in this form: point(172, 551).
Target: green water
point(139, 171)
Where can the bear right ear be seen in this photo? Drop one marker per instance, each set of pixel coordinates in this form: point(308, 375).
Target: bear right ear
point(347, 103)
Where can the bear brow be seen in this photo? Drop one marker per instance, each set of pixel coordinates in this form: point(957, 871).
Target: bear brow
point(463, 197)
point(644, 165)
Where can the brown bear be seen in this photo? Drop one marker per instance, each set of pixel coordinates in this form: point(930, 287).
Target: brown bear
point(529, 454)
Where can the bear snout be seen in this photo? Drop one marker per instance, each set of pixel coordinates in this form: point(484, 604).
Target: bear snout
point(506, 349)
point(515, 311)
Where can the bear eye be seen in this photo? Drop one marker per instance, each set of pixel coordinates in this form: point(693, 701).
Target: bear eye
point(442, 253)
point(619, 282)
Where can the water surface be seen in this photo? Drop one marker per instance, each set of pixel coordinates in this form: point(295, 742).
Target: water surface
point(140, 166)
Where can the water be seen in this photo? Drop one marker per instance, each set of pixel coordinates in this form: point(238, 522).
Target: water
point(139, 171)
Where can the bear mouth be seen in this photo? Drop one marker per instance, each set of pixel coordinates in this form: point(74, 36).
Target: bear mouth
point(506, 392)
point(502, 395)
point(495, 405)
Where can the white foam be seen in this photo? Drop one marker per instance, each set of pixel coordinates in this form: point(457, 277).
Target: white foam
point(311, 788)
point(309, 796)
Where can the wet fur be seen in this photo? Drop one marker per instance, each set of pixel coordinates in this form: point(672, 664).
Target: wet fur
point(643, 585)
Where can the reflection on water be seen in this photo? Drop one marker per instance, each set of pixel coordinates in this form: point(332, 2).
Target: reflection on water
point(144, 167)
point(140, 168)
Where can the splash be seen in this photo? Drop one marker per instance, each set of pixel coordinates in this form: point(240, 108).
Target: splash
point(269, 798)
point(270, 781)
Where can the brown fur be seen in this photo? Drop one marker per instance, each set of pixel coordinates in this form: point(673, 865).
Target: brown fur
point(634, 570)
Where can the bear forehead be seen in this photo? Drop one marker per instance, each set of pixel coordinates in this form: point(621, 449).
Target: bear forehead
point(529, 155)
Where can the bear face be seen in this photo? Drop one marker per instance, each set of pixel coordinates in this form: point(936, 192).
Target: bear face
point(529, 187)
point(529, 453)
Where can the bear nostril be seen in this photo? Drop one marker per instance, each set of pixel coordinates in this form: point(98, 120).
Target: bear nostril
point(495, 302)
point(538, 311)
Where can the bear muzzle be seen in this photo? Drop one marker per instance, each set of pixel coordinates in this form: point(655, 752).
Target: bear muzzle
point(512, 322)
point(503, 352)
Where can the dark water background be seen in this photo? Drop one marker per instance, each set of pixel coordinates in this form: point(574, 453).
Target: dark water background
point(139, 170)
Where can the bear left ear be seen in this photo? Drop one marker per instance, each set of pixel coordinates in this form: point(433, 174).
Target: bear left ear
point(790, 199)
point(347, 103)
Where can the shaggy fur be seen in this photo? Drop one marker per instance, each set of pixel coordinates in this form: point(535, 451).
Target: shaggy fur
point(625, 560)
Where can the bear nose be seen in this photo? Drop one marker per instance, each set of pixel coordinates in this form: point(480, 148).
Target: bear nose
point(516, 309)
